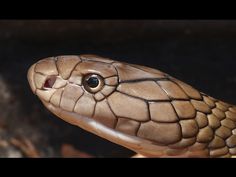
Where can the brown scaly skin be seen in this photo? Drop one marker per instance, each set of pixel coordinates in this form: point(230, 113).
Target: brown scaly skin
point(137, 107)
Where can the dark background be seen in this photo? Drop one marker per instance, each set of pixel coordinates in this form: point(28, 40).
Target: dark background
point(199, 52)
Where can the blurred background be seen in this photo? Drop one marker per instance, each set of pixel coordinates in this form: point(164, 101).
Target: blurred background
point(201, 53)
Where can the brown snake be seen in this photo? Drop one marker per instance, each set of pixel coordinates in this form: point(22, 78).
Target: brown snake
point(140, 108)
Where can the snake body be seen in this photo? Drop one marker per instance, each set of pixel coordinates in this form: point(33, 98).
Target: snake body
point(140, 108)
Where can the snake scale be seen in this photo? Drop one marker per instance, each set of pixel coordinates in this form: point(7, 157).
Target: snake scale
point(140, 108)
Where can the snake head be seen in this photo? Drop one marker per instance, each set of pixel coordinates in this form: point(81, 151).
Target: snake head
point(138, 107)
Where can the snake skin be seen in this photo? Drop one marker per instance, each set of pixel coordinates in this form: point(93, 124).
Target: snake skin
point(141, 102)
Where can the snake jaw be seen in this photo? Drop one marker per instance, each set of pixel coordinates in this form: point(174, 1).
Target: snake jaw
point(134, 143)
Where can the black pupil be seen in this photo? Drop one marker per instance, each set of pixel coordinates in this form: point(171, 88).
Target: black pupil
point(92, 82)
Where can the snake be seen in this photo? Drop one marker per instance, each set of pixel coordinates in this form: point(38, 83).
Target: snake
point(135, 106)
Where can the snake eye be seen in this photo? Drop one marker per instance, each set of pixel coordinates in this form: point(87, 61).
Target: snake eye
point(93, 83)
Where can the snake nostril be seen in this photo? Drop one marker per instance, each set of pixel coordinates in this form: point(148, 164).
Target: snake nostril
point(49, 82)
